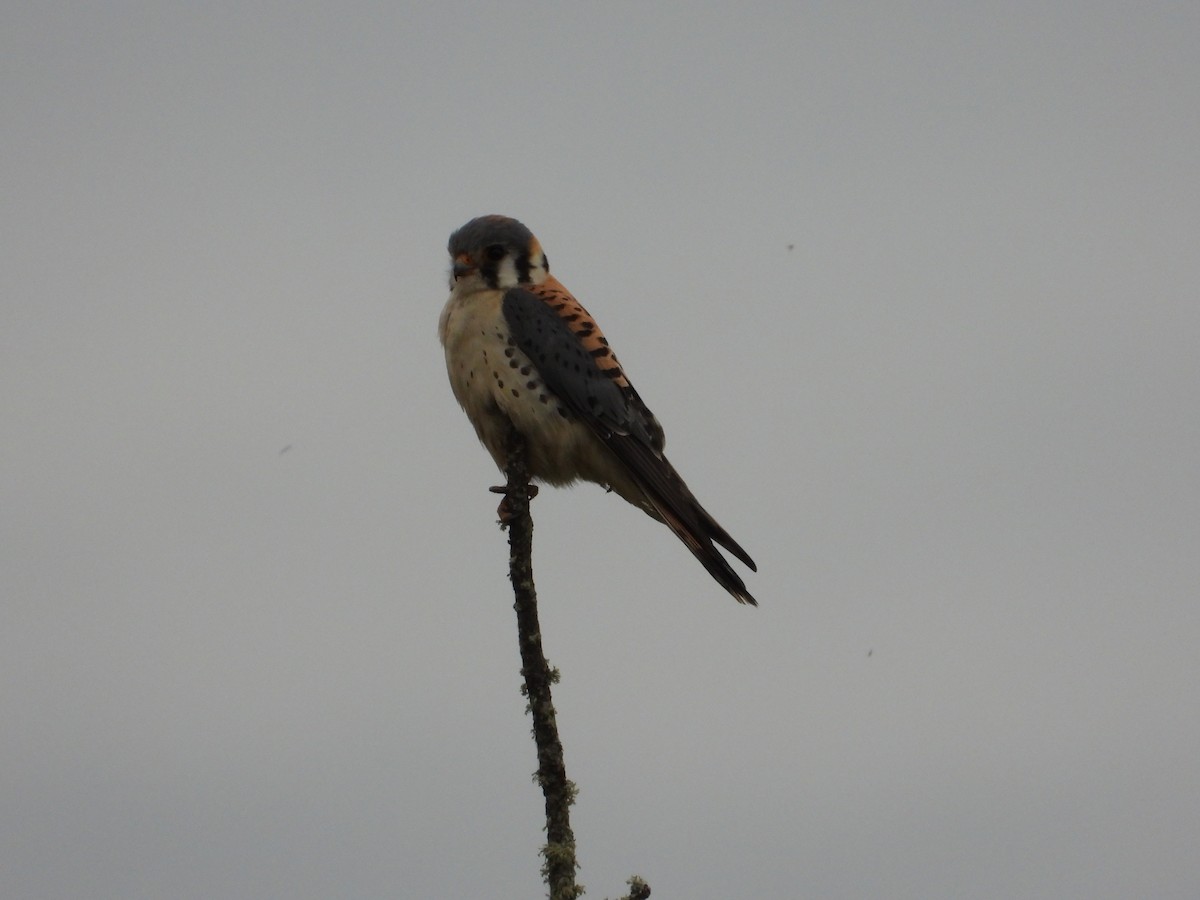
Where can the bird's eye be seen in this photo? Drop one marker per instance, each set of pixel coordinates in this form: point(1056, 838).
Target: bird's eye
point(494, 253)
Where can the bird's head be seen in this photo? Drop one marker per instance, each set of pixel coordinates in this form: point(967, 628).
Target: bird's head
point(495, 252)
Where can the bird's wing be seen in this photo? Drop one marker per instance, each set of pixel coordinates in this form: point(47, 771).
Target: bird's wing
point(575, 362)
point(573, 357)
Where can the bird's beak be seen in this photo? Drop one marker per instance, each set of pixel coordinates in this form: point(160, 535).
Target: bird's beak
point(462, 266)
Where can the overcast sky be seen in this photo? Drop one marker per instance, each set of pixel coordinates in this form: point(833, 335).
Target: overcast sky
point(912, 288)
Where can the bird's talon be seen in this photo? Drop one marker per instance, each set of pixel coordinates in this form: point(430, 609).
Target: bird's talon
point(504, 510)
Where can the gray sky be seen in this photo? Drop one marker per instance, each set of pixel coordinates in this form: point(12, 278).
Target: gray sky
point(958, 426)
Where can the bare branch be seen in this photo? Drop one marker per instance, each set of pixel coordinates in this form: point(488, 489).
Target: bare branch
point(559, 792)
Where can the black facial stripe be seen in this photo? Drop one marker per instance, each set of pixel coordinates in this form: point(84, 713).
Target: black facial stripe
point(524, 264)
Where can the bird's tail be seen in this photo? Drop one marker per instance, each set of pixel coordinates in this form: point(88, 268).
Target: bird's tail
point(672, 502)
point(700, 541)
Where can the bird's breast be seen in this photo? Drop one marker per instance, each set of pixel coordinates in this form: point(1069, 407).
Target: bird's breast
point(495, 382)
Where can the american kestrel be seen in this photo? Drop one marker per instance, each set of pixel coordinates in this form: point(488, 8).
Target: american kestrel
point(521, 349)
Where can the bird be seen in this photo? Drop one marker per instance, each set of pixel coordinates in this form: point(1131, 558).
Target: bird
point(522, 352)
